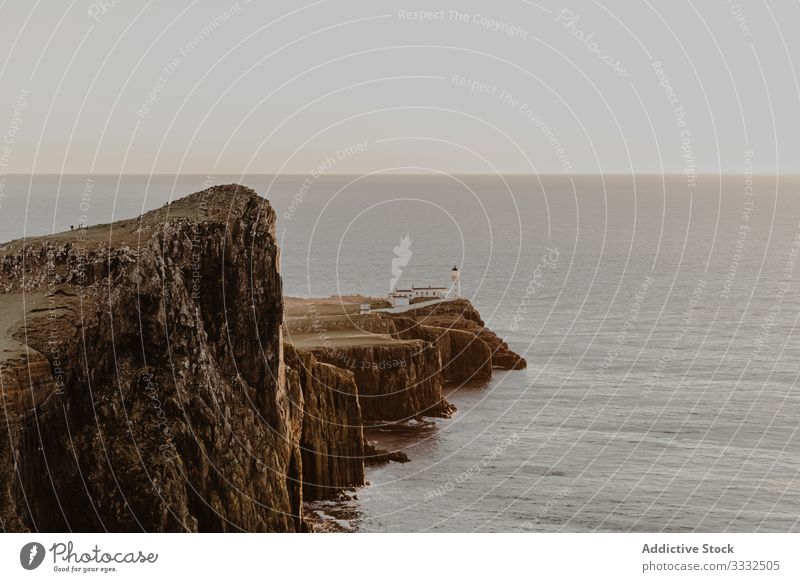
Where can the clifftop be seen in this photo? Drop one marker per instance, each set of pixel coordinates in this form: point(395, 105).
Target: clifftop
point(216, 204)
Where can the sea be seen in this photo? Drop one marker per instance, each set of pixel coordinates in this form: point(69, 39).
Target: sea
point(658, 316)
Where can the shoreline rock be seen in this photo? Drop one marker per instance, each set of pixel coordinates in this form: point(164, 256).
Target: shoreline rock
point(376, 456)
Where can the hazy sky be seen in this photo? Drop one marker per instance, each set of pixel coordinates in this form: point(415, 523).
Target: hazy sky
point(515, 86)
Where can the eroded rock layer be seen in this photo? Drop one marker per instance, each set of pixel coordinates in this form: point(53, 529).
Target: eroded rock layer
point(332, 440)
point(461, 315)
point(396, 381)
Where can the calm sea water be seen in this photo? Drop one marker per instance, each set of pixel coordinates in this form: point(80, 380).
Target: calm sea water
point(659, 323)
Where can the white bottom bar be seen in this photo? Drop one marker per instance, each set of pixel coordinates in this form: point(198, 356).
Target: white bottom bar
point(349, 557)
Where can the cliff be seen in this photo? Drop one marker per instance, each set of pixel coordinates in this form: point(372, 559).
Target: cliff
point(146, 385)
point(332, 440)
point(464, 356)
point(397, 380)
point(400, 362)
point(459, 315)
point(156, 400)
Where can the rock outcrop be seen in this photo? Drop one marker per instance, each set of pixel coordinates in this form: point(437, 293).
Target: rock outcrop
point(397, 381)
point(464, 355)
point(376, 456)
point(401, 362)
point(171, 411)
point(461, 315)
point(332, 440)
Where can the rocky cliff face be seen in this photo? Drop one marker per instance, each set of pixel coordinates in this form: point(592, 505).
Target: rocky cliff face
point(400, 362)
point(169, 410)
point(460, 315)
point(332, 440)
point(396, 381)
point(464, 356)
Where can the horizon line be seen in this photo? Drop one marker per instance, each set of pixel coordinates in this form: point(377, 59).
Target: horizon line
point(427, 174)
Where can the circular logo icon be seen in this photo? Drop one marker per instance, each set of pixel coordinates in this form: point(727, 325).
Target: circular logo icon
point(31, 555)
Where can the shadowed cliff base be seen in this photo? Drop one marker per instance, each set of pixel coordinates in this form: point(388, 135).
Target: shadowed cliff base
point(146, 384)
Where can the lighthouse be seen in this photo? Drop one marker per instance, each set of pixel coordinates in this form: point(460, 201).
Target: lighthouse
point(455, 282)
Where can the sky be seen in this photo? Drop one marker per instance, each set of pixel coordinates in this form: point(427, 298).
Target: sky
point(218, 87)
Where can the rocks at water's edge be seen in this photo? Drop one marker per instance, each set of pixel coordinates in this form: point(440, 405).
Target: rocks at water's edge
point(376, 456)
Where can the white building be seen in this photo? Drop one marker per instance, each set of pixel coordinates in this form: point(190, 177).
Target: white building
point(455, 282)
point(404, 297)
point(401, 297)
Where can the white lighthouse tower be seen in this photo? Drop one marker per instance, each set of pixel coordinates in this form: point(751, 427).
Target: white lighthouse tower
point(455, 283)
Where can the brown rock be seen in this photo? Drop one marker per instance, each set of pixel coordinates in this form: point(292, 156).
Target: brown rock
point(332, 441)
point(461, 315)
point(396, 381)
point(174, 413)
point(375, 456)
